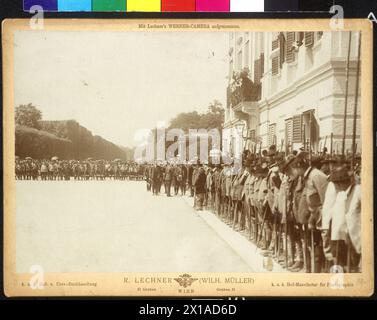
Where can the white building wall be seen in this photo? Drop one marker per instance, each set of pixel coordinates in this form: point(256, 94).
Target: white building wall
point(315, 80)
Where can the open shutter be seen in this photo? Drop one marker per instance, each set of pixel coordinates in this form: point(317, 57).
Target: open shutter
point(275, 65)
point(309, 39)
point(288, 133)
point(312, 126)
point(258, 69)
point(297, 128)
point(278, 58)
point(282, 46)
point(290, 52)
point(257, 75)
point(272, 134)
point(275, 44)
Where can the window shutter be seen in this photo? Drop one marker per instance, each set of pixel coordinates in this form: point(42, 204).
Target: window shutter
point(282, 46)
point(276, 61)
point(300, 38)
point(262, 64)
point(288, 134)
point(275, 44)
point(297, 128)
point(259, 68)
point(275, 65)
point(271, 134)
point(309, 39)
point(288, 131)
point(290, 53)
point(257, 71)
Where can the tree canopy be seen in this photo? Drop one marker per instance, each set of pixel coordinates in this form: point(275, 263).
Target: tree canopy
point(213, 118)
point(28, 115)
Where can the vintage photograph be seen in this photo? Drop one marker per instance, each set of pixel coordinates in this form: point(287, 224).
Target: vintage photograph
point(186, 148)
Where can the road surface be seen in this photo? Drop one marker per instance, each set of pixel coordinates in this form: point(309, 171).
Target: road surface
point(114, 226)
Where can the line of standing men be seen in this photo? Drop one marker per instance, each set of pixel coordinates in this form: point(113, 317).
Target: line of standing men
point(303, 211)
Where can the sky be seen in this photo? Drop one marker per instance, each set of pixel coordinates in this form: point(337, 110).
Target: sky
point(116, 83)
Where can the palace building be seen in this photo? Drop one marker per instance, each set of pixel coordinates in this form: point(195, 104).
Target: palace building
point(289, 89)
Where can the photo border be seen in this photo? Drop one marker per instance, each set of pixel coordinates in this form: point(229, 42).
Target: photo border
point(112, 284)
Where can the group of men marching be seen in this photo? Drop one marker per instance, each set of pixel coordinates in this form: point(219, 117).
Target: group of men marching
point(90, 169)
point(302, 210)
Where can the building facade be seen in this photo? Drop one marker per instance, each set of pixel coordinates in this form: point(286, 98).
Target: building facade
point(289, 89)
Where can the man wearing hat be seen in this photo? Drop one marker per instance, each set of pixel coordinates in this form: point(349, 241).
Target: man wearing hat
point(250, 216)
point(190, 171)
point(216, 188)
point(341, 219)
point(157, 176)
point(239, 212)
point(312, 199)
point(200, 187)
point(263, 207)
point(273, 186)
point(223, 195)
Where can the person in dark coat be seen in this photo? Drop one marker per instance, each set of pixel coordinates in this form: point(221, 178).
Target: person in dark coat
point(184, 179)
point(168, 178)
point(156, 179)
point(190, 171)
point(200, 188)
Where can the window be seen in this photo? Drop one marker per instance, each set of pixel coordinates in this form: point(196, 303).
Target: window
point(309, 39)
point(258, 69)
point(275, 65)
point(288, 132)
point(275, 44)
point(311, 128)
point(282, 46)
point(297, 129)
point(252, 135)
point(289, 48)
point(272, 134)
point(278, 55)
point(300, 38)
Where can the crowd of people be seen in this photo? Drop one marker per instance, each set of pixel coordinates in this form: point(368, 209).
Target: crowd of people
point(90, 169)
point(300, 209)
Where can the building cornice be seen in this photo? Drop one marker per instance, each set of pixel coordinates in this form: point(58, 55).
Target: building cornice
point(326, 70)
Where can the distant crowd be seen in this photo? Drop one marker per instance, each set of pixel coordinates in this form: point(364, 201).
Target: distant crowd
point(90, 169)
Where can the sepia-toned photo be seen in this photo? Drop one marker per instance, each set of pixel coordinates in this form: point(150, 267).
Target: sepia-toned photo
point(188, 158)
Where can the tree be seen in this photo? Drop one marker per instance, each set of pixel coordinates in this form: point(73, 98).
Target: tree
point(28, 115)
point(216, 108)
point(213, 118)
point(186, 121)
